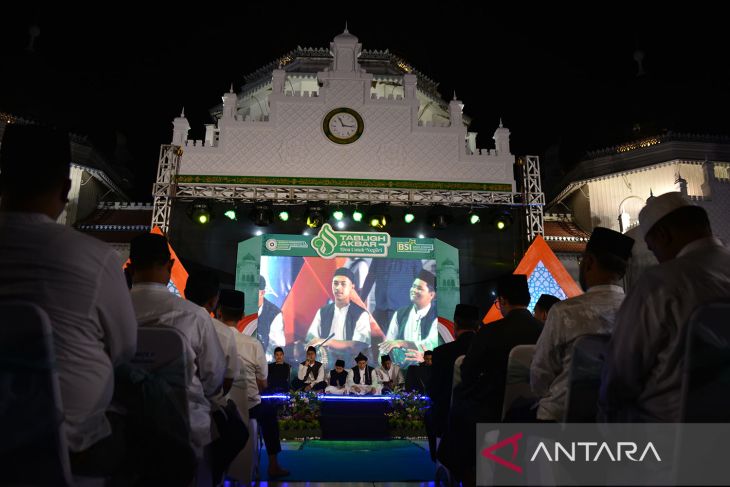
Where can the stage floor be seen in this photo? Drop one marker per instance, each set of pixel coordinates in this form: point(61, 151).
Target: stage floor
point(359, 462)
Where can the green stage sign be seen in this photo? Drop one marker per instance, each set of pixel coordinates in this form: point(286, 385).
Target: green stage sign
point(330, 243)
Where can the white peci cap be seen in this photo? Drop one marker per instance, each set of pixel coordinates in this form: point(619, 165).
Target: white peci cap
point(658, 207)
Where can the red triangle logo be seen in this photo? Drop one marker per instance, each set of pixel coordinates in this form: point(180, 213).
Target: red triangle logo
point(512, 440)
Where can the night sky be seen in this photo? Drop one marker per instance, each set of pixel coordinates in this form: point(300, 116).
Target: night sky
point(564, 81)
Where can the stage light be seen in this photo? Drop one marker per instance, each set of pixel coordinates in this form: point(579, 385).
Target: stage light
point(420, 235)
point(440, 220)
point(316, 216)
point(200, 213)
point(409, 217)
point(261, 215)
point(258, 233)
point(473, 217)
point(284, 215)
point(231, 215)
point(357, 215)
point(340, 225)
point(338, 215)
point(378, 217)
point(502, 219)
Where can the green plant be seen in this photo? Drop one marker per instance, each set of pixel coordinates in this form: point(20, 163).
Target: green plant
point(407, 411)
point(302, 407)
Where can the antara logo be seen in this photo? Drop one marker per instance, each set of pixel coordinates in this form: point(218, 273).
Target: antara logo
point(570, 452)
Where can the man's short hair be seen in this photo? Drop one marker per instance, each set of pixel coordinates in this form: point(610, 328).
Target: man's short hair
point(547, 301)
point(33, 159)
point(149, 249)
point(311, 349)
point(513, 288)
point(202, 286)
point(466, 317)
point(428, 353)
point(385, 358)
point(278, 349)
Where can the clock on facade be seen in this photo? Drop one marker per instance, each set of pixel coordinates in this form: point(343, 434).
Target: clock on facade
point(343, 125)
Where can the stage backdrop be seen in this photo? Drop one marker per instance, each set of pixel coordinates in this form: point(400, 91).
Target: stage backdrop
point(296, 273)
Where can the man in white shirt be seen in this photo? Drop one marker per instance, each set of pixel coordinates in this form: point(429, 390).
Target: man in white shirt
point(602, 269)
point(415, 327)
point(310, 376)
point(269, 323)
point(642, 376)
point(252, 379)
point(363, 379)
point(155, 305)
point(344, 325)
point(389, 375)
point(77, 280)
point(203, 289)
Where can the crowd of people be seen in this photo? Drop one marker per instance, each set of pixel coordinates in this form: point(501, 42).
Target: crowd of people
point(95, 317)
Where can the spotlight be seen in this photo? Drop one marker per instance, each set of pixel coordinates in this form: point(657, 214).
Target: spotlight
point(338, 214)
point(284, 215)
point(357, 215)
point(258, 233)
point(316, 216)
point(420, 235)
point(231, 215)
point(440, 220)
point(378, 218)
point(200, 213)
point(261, 215)
point(473, 217)
point(502, 219)
point(340, 225)
point(408, 217)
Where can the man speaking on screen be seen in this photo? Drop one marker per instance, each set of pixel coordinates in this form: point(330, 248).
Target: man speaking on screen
point(347, 323)
point(415, 327)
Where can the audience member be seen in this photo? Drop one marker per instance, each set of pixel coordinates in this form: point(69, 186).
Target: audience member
point(602, 269)
point(643, 372)
point(77, 280)
point(252, 379)
point(543, 306)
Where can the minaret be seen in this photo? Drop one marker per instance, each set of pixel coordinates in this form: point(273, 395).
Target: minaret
point(455, 112)
point(345, 49)
point(180, 128)
point(680, 184)
point(501, 140)
point(230, 105)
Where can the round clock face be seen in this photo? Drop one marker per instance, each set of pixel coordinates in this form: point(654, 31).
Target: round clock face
point(343, 125)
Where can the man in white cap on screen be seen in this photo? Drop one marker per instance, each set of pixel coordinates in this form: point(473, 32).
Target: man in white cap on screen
point(642, 376)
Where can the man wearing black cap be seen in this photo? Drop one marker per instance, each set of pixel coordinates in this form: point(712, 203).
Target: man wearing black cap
point(415, 327)
point(543, 306)
point(602, 268)
point(466, 323)
point(389, 375)
point(310, 376)
point(479, 397)
point(252, 380)
point(269, 323)
point(77, 280)
point(347, 323)
point(363, 379)
point(155, 305)
point(645, 360)
point(338, 379)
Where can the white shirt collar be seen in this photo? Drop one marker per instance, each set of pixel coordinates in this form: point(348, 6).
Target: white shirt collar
point(699, 244)
point(420, 313)
point(149, 286)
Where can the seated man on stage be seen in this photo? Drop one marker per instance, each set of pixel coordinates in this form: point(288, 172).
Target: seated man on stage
point(415, 327)
point(389, 375)
point(311, 374)
point(338, 379)
point(341, 328)
point(363, 379)
point(279, 373)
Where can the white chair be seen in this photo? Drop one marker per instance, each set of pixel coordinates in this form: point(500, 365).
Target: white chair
point(517, 383)
point(33, 448)
point(589, 354)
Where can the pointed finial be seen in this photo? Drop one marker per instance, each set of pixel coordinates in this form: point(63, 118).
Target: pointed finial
point(500, 123)
point(454, 94)
point(182, 113)
point(231, 88)
point(346, 31)
point(651, 193)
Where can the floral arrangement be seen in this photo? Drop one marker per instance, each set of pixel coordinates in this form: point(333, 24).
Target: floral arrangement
point(407, 412)
point(300, 415)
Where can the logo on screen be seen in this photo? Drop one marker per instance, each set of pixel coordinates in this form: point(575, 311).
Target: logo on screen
point(329, 243)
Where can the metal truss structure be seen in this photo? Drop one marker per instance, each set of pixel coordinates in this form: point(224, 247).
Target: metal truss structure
point(534, 198)
point(167, 189)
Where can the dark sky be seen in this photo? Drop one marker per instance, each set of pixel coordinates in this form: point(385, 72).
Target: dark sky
point(558, 78)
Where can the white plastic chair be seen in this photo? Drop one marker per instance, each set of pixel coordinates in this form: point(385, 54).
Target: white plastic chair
point(517, 383)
